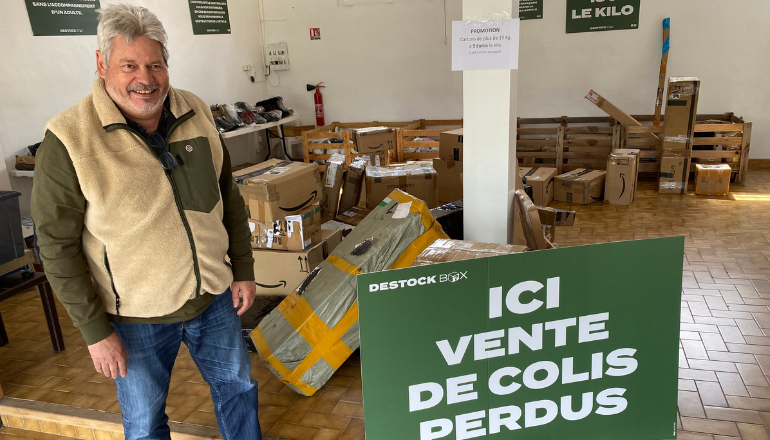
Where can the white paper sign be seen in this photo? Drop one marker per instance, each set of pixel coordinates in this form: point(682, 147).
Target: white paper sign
point(485, 44)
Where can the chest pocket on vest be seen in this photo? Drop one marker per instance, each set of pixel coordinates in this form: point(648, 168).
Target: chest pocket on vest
point(196, 178)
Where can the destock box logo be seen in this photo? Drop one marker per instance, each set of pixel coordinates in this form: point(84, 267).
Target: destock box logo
point(451, 277)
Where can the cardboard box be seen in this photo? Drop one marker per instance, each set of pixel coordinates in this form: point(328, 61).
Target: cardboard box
point(294, 232)
point(612, 110)
point(541, 180)
point(712, 180)
point(418, 179)
point(681, 109)
point(450, 146)
point(332, 238)
point(353, 216)
point(674, 172)
point(333, 177)
point(444, 250)
point(450, 180)
point(622, 173)
point(580, 186)
point(280, 272)
point(372, 139)
point(379, 159)
point(274, 189)
point(351, 187)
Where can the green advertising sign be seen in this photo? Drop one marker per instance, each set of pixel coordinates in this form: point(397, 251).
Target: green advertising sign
point(63, 17)
point(602, 15)
point(209, 17)
point(576, 343)
point(530, 9)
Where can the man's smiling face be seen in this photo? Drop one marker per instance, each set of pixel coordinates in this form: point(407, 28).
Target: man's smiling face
point(136, 77)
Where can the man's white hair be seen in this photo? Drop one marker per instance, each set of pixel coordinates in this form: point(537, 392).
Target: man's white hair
point(129, 22)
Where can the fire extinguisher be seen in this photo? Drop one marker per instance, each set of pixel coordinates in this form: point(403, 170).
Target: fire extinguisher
point(319, 103)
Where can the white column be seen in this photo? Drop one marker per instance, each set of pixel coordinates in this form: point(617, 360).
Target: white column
point(489, 138)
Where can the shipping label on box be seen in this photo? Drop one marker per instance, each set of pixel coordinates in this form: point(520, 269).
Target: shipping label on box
point(450, 180)
point(581, 186)
point(674, 172)
point(622, 173)
point(274, 189)
point(353, 216)
point(333, 177)
point(450, 146)
point(280, 272)
point(351, 187)
point(418, 179)
point(681, 110)
point(293, 233)
point(379, 159)
point(712, 180)
point(374, 139)
point(541, 179)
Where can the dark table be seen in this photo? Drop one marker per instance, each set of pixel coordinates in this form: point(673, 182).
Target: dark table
point(15, 284)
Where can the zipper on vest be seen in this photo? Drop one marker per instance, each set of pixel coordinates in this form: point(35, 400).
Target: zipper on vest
point(112, 282)
point(177, 200)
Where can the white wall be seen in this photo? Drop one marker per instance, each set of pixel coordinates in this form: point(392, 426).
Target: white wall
point(388, 62)
point(41, 76)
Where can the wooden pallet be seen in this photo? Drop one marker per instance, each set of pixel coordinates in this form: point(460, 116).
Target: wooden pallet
point(569, 143)
point(425, 128)
point(344, 133)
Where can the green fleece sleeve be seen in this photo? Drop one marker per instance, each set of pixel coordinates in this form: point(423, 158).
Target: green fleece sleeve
point(236, 221)
point(58, 210)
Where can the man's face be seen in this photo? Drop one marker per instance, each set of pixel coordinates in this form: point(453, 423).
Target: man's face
point(136, 78)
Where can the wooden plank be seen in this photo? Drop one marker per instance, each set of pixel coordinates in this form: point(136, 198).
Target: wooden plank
point(589, 130)
point(643, 129)
point(616, 136)
point(588, 142)
point(700, 128)
point(606, 150)
point(717, 141)
point(319, 136)
point(560, 150)
point(649, 154)
point(410, 133)
point(586, 155)
point(536, 143)
point(536, 131)
point(716, 154)
point(423, 144)
point(433, 122)
point(614, 111)
point(745, 147)
point(305, 148)
point(636, 143)
point(408, 156)
point(537, 154)
point(662, 75)
point(649, 167)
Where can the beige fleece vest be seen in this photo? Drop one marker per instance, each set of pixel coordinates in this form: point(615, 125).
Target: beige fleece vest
point(142, 257)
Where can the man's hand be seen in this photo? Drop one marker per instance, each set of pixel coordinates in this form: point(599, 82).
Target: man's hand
point(110, 356)
point(246, 290)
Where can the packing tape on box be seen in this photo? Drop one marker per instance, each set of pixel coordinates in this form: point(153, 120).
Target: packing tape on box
point(681, 139)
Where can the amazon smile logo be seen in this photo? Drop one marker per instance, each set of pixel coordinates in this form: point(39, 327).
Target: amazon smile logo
point(313, 195)
point(281, 283)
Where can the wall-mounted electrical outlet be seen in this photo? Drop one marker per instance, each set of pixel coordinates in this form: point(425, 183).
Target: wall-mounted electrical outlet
point(278, 56)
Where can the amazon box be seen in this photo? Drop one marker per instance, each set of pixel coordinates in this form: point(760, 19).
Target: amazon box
point(333, 177)
point(294, 232)
point(450, 180)
point(674, 172)
point(622, 172)
point(450, 145)
point(418, 179)
point(581, 186)
point(541, 179)
point(274, 189)
point(351, 187)
point(681, 108)
point(353, 216)
point(332, 237)
point(374, 139)
point(712, 180)
point(280, 272)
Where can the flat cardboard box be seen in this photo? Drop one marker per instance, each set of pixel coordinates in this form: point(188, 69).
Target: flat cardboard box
point(274, 189)
point(332, 237)
point(417, 179)
point(681, 110)
point(581, 186)
point(612, 110)
point(622, 173)
point(351, 187)
point(450, 180)
point(353, 216)
point(333, 177)
point(674, 172)
point(712, 180)
point(541, 179)
point(450, 145)
point(374, 139)
point(294, 232)
point(444, 250)
point(280, 272)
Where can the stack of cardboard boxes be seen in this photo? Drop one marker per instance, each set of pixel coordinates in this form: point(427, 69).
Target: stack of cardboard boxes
point(282, 199)
point(449, 166)
point(681, 110)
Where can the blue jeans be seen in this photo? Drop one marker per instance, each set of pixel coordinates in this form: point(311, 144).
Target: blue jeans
point(218, 349)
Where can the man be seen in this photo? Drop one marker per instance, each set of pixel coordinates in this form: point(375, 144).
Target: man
point(136, 209)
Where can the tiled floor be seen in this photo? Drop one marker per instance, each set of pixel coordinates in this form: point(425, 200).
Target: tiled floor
point(725, 355)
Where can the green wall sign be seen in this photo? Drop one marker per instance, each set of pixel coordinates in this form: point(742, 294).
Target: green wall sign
point(209, 17)
point(602, 15)
point(530, 9)
point(62, 17)
point(576, 343)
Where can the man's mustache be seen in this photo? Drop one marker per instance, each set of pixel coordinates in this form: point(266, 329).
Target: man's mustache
point(143, 87)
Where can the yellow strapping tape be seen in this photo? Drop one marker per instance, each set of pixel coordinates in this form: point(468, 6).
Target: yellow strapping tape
point(277, 365)
point(406, 259)
point(343, 265)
